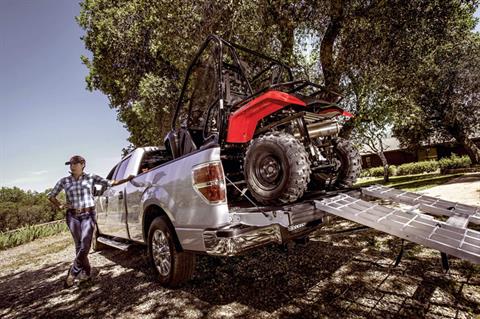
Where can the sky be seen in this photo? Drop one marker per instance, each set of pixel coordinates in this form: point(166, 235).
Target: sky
point(46, 113)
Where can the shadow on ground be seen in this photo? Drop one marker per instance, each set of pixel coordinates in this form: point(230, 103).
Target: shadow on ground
point(342, 278)
point(472, 177)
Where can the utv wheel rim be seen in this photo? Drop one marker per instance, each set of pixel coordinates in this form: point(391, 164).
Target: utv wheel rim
point(269, 171)
point(161, 252)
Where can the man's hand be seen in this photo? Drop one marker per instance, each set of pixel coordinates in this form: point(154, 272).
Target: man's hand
point(128, 179)
point(65, 206)
point(57, 205)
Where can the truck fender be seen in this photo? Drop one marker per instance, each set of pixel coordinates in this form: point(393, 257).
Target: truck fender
point(149, 214)
point(153, 208)
point(243, 122)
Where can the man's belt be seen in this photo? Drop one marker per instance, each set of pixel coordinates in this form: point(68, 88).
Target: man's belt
point(79, 211)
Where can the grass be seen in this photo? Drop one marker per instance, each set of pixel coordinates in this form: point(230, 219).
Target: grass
point(412, 183)
point(30, 233)
point(37, 255)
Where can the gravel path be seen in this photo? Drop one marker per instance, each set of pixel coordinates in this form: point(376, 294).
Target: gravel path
point(464, 189)
point(330, 277)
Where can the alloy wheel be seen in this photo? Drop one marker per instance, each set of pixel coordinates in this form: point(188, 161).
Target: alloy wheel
point(161, 252)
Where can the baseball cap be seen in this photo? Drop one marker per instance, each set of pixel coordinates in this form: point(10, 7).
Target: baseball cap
point(75, 159)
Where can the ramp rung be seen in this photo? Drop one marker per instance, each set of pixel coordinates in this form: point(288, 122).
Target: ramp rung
point(416, 227)
point(431, 205)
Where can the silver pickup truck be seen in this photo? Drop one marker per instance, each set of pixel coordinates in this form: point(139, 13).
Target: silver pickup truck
point(184, 206)
point(179, 207)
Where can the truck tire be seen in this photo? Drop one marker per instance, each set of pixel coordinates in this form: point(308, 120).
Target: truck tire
point(96, 245)
point(350, 165)
point(172, 266)
point(277, 169)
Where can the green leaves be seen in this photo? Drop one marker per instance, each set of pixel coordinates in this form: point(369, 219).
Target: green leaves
point(390, 58)
point(19, 208)
point(142, 48)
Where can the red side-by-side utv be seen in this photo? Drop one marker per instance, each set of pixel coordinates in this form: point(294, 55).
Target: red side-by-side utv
point(278, 136)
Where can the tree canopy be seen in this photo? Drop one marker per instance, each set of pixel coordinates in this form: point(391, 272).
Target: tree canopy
point(447, 96)
point(20, 208)
point(141, 49)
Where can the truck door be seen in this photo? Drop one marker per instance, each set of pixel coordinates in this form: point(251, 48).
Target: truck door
point(135, 190)
point(115, 217)
point(102, 202)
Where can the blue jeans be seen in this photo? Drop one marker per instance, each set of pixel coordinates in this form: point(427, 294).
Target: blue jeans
point(81, 227)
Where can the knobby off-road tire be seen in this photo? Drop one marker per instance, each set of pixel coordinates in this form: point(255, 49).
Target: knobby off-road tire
point(172, 266)
point(349, 170)
point(277, 169)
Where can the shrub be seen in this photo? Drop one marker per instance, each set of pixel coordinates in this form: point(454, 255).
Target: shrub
point(454, 161)
point(417, 168)
point(392, 169)
point(364, 173)
point(378, 171)
point(30, 233)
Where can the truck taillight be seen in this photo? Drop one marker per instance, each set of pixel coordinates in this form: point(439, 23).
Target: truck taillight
point(209, 182)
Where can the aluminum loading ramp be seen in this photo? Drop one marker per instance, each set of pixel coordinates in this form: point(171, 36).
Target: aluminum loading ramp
point(459, 213)
point(452, 237)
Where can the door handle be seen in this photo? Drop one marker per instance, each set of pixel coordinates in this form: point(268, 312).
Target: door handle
point(120, 195)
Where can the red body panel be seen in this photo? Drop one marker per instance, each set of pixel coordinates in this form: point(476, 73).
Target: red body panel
point(335, 111)
point(243, 122)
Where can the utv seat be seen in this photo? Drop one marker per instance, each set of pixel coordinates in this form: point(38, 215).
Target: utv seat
point(210, 141)
point(179, 142)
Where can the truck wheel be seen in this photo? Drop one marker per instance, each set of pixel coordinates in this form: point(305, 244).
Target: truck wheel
point(277, 169)
point(349, 165)
point(96, 245)
point(173, 267)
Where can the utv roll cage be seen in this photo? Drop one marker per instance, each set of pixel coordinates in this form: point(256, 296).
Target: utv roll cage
point(228, 65)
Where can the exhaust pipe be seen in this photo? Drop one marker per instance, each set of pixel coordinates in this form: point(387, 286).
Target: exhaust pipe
point(321, 129)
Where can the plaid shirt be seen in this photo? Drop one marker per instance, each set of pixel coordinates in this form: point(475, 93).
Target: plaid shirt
point(79, 192)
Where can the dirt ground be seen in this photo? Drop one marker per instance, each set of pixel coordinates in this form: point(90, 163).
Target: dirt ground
point(349, 276)
point(464, 189)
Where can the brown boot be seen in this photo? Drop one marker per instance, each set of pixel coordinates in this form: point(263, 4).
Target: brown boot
point(70, 279)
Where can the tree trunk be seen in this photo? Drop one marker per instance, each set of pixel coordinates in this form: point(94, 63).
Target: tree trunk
point(287, 28)
point(278, 13)
point(386, 175)
point(473, 151)
point(381, 154)
point(330, 74)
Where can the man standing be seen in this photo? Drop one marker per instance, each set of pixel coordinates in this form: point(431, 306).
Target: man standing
point(80, 213)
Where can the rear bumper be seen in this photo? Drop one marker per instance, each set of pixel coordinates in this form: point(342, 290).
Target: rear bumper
point(234, 241)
